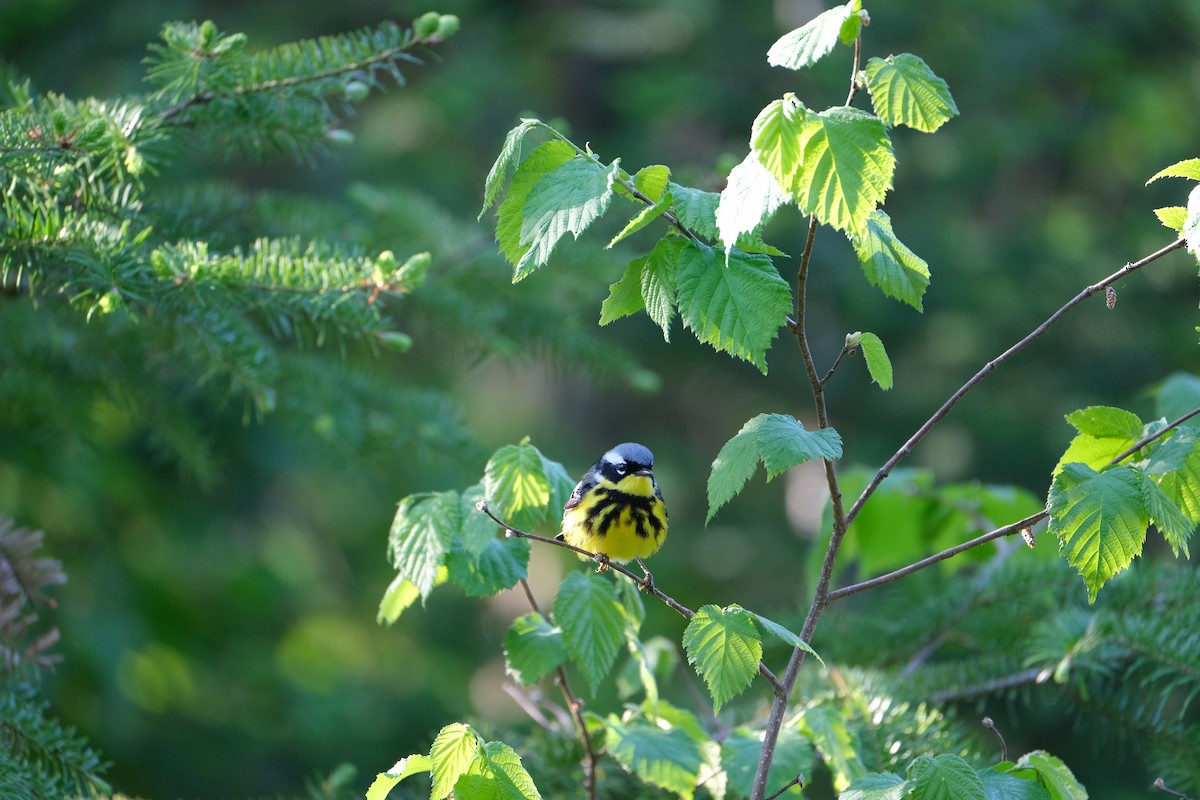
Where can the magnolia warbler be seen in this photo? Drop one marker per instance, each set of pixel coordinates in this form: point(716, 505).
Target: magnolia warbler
point(616, 509)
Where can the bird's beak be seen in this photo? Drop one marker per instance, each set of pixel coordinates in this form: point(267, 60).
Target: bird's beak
point(644, 471)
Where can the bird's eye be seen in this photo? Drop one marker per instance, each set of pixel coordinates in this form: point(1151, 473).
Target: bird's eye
point(620, 469)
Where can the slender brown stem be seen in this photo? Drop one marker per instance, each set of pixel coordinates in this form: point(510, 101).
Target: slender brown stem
point(991, 366)
point(574, 706)
point(1161, 785)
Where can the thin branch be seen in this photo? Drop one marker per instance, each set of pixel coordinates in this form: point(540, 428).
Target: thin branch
point(988, 687)
point(796, 781)
point(854, 85)
point(642, 583)
point(845, 351)
point(1157, 434)
point(574, 705)
point(1161, 785)
point(989, 367)
point(895, 575)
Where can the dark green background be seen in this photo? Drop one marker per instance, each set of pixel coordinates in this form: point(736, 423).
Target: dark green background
point(221, 641)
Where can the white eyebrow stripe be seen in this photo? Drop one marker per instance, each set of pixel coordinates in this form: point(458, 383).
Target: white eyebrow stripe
point(612, 457)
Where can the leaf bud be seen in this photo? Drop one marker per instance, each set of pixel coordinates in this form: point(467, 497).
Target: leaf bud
point(395, 340)
point(426, 25)
point(356, 91)
point(447, 26)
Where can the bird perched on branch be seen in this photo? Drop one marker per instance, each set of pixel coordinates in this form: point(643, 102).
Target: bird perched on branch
point(616, 510)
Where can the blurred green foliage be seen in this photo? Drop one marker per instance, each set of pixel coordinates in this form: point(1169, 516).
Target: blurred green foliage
point(219, 637)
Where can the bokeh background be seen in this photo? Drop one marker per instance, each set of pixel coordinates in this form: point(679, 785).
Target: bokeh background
point(220, 640)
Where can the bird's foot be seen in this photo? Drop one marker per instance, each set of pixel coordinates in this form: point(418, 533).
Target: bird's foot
point(602, 560)
point(646, 584)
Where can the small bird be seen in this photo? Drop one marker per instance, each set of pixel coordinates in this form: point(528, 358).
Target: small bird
point(616, 510)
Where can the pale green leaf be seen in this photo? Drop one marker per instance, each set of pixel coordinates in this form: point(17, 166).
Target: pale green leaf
point(1166, 516)
point(593, 623)
point(750, 198)
point(652, 181)
point(1058, 779)
point(779, 441)
point(1172, 217)
point(624, 296)
point(877, 786)
point(1100, 520)
point(478, 530)
point(945, 777)
point(386, 781)
point(777, 139)
point(669, 759)
point(846, 168)
point(533, 648)
point(1182, 487)
point(516, 485)
point(499, 566)
point(725, 648)
point(545, 158)
point(888, 263)
point(1191, 225)
point(510, 154)
point(736, 305)
point(826, 729)
point(658, 282)
point(1104, 433)
point(497, 774)
point(400, 594)
point(806, 45)
point(454, 750)
point(565, 200)
point(905, 91)
point(742, 749)
point(421, 533)
point(643, 218)
point(878, 364)
point(1189, 168)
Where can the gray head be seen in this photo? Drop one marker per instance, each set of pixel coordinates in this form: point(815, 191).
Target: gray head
point(626, 458)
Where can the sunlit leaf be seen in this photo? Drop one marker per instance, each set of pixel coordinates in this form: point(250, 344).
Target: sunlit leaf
point(496, 774)
point(845, 170)
point(547, 157)
point(453, 751)
point(510, 154)
point(517, 487)
point(400, 594)
point(806, 45)
point(593, 623)
point(421, 534)
point(1188, 168)
point(669, 759)
point(1100, 518)
point(386, 781)
point(879, 366)
point(499, 566)
point(750, 198)
point(826, 729)
point(877, 786)
point(777, 140)
point(888, 263)
point(565, 200)
point(945, 777)
point(905, 91)
point(725, 648)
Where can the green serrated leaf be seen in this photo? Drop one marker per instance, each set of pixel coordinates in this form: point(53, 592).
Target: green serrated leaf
point(1189, 168)
point(593, 623)
point(945, 777)
point(905, 91)
point(624, 296)
point(643, 218)
point(777, 140)
point(497, 774)
point(1172, 217)
point(1175, 527)
point(736, 305)
point(846, 168)
point(725, 648)
point(778, 441)
point(386, 781)
point(806, 45)
point(999, 785)
point(454, 750)
point(658, 282)
point(749, 200)
point(888, 263)
point(1178, 395)
point(510, 153)
point(877, 786)
point(400, 594)
point(516, 485)
point(1054, 775)
point(421, 533)
point(497, 567)
point(533, 648)
point(545, 158)
point(565, 200)
point(669, 759)
point(1104, 433)
point(879, 366)
point(695, 209)
point(1100, 520)
point(1182, 487)
point(826, 729)
point(652, 181)
point(477, 529)
point(742, 749)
